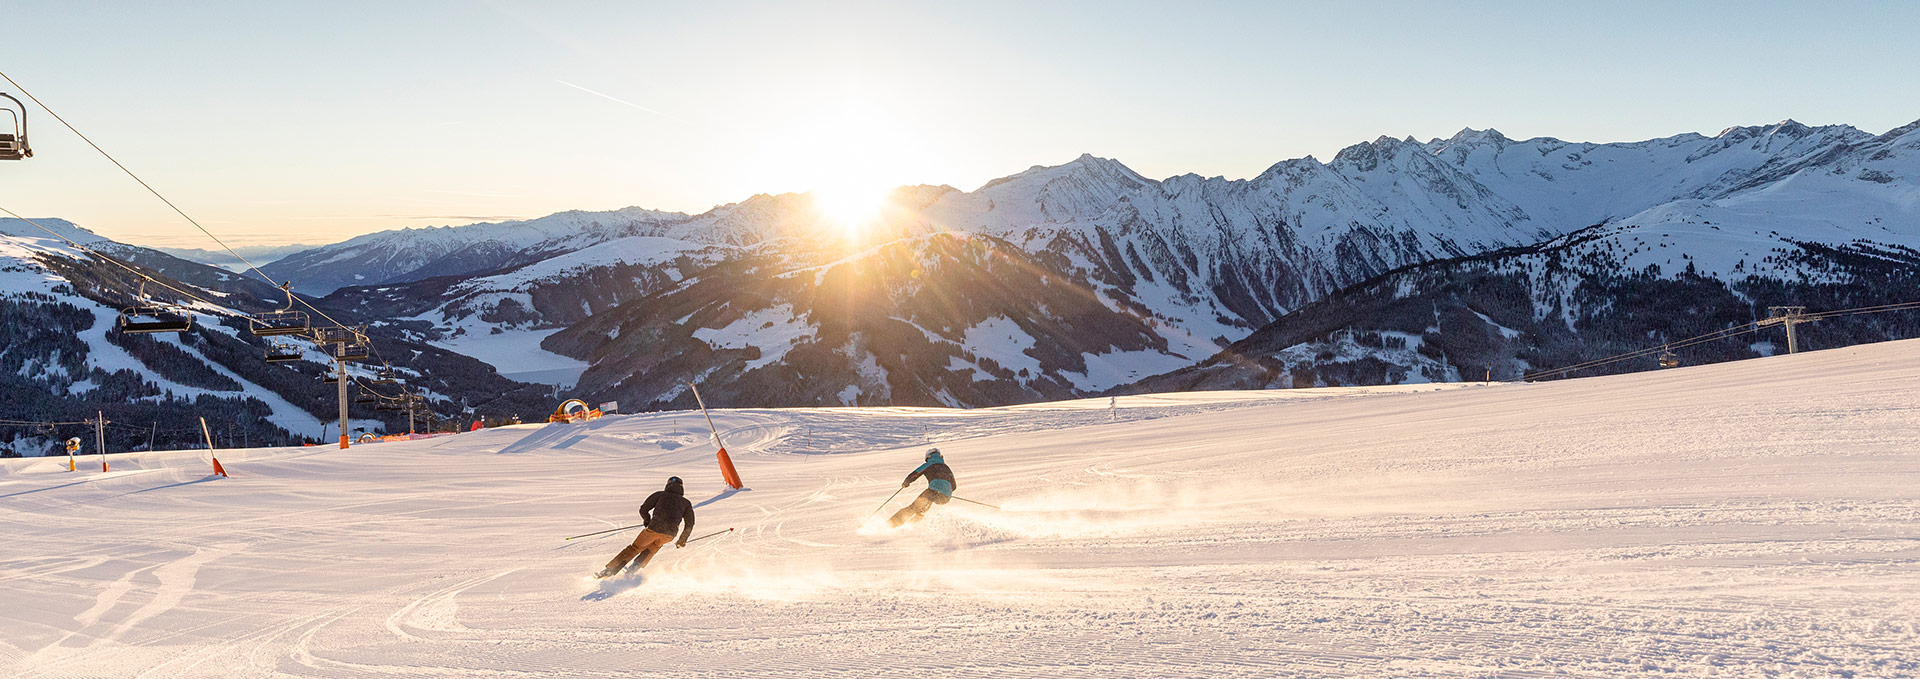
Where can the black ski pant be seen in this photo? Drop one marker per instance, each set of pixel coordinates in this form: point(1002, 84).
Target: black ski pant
point(918, 510)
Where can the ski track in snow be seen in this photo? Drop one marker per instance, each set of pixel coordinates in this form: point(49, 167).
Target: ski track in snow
point(1759, 518)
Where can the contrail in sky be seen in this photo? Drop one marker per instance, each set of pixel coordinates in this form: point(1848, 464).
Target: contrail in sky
point(614, 98)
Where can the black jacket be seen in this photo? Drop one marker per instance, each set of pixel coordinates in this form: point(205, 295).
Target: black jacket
point(664, 511)
point(939, 476)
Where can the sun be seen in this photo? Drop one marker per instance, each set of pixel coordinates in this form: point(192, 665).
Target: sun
point(851, 205)
point(847, 153)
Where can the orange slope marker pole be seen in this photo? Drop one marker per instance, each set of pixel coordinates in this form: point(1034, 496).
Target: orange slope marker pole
point(217, 469)
point(727, 471)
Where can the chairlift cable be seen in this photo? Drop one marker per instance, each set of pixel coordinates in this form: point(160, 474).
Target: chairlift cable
point(1734, 331)
point(143, 183)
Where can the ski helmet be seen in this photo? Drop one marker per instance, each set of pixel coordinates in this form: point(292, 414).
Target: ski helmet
point(673, 481)
point(932, 453)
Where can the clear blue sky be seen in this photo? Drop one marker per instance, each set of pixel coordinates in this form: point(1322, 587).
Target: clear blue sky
point(310, 122)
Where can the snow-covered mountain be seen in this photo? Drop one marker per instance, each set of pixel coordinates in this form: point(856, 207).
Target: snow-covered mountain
point(1087, 276)
point(1188, 265)
point(407, 255)
point(1828, 226)
point(258, 255)
point(63, 358)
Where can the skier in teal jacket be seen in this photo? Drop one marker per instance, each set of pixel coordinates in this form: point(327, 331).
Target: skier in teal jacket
point(939, 489)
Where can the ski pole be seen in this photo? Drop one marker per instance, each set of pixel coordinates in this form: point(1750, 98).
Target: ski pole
point(977, 502)
point(883, 505)
point(611, 530)
point(703, 537)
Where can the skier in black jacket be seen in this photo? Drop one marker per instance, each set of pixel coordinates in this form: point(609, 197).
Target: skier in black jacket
point(664, 512)
point(939, 488)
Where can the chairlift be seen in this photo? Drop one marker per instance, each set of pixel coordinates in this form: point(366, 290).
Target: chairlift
point(366, 398)
point(389, 406)
point(333, 333)
point(13, 145)
point(282, 352)
point(330, 378)
point(151, 317)
point(385, 376)
point(285, 321)
point(355, 350)
point(1668, 359)
point(342, 343)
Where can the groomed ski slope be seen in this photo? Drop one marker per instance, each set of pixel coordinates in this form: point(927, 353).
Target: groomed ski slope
point(1759, 518)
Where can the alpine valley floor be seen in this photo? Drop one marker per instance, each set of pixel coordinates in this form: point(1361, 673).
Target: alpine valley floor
point(1759, 518)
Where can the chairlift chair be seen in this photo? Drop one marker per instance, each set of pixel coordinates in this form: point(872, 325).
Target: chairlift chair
point(388, 406)
point(337, 333)
point(151, 317)
point(366, 398)
point(1668, 359)
point(330, 378)
point(138, 320)
point(349, 351)
point(332, 333)
point(343, 343)
point(385, 376)
point(13, 145)
point(285, 321)
point(282, 352)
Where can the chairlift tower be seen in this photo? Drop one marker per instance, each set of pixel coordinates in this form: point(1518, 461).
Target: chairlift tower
point(340, 365)
point(1787, 316)
point(343, 344)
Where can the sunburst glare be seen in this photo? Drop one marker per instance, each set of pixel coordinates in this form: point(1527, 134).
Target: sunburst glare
point(848, 156)
point(852, 207)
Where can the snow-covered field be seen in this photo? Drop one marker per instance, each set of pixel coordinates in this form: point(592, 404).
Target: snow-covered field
point(517, 355)
point(1759, 518)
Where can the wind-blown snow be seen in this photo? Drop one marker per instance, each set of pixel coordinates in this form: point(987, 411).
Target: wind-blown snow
point(1758, 518)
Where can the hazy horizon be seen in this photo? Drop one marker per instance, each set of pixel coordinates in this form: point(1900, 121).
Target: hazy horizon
point(453, 113)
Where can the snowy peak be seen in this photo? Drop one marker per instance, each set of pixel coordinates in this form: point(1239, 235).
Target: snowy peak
point(63, 228)
point(1470, 135)
point(1902, 131)
point(1465, 141)
point(1076, 191)
point(1368, 156)
point(759, 218)
point(1087, 165)
point(1784, 136)
point(412, 254)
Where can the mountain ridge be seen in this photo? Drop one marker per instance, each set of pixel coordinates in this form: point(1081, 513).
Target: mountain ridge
point(1118, 278)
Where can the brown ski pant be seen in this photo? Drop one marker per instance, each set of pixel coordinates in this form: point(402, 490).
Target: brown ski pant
point(918, 510)
point(647, 544)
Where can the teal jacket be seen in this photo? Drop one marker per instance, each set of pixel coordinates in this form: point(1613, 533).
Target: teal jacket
point(939, 476)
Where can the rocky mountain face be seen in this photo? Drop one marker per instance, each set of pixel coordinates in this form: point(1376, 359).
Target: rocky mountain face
point(889, 325)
